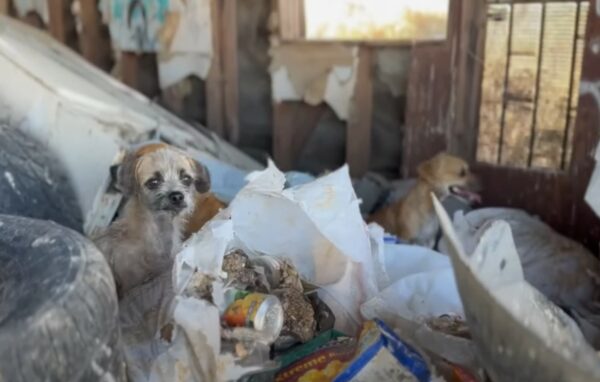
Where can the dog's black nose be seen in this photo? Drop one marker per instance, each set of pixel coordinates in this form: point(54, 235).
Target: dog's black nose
point(176, 198)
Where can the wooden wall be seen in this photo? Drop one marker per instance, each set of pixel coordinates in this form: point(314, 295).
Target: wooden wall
point(441, 113)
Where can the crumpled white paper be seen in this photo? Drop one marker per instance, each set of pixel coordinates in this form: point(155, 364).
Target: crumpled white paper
point(416, 284)
point(318, 227)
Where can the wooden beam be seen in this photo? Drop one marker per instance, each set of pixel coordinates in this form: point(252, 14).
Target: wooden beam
point(431, 103)
point(140, 71)
point(359, 126)
point(229, 61)
point(57, 23)
point(586, 134)
point(293, 124)
point(5, 7)
point(94, 40)
point(468, 48)
point(291, 19)
point(427, 106)
point(214, 83)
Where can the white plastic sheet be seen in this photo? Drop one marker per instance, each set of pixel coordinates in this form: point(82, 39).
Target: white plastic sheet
point(317, 226)
point(417, 284)
point(563, 270)
point(520, 335)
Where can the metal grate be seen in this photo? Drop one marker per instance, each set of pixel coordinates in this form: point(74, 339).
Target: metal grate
point(532, 67)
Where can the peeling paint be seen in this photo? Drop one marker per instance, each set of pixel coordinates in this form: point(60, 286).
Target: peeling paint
point(591, 88)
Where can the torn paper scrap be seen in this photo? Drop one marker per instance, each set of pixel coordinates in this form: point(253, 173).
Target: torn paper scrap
point(315, 73)
point(134, 25)
point(185, 42)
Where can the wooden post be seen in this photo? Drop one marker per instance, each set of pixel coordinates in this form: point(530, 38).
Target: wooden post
point(229, 61)
point(222, 84)
point(94, 41)
point(214, 82)
point(293, 124)
point(62, 24)
point(358, 132)
point(431, 100)
point(140, 72)
point(586, 133)
point(5, 7)
point(468, 45)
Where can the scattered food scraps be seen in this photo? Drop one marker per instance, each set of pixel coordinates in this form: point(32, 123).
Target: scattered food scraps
point(451, 325)
point(200, 286)
point(299, 315)
point(256, 310)
point(240, 272)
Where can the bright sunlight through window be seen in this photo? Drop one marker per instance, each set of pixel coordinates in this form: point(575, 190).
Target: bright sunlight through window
point(376, 19)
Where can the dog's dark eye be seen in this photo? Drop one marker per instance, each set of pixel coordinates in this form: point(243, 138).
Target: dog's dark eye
point(186, 180)
point(463, 172)
point(153, 183)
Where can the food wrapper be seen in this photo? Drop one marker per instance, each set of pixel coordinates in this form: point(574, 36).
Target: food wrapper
point(379, 355)
point(382, 356)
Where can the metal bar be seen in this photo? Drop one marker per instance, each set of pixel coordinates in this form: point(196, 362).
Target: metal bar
point(538, 78)
point(571, 84)
point(506, 73)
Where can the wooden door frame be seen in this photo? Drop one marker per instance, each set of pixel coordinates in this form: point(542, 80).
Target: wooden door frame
point(556, 197)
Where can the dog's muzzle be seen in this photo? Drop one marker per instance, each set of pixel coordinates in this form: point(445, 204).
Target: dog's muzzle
point(177, 199)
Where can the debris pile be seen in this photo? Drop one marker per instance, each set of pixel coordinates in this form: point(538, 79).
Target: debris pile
point(291, 285)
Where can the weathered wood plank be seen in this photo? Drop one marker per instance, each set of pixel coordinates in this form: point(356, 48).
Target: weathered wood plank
point(468, 47)
point(61, 24)
point(229, 60)
point(359, 127)
point(293, 123)
point(427, 106)
point(586, 134)
point(94, 41)
point(140, 72)
point(5, 7)
point(542, 193)
point(214, 83)
point(291, 19)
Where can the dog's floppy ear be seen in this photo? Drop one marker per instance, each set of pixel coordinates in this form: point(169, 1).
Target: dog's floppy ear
point(125, 179)
point(201, 177)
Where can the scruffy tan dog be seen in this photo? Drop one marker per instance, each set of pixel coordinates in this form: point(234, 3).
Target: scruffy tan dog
point(413, 218)
point(161, 184)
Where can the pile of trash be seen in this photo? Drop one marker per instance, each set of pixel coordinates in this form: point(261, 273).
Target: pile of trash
point(277, 287)
point(290, 284)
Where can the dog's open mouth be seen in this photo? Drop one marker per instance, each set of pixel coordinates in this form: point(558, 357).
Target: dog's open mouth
point(467, 195)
